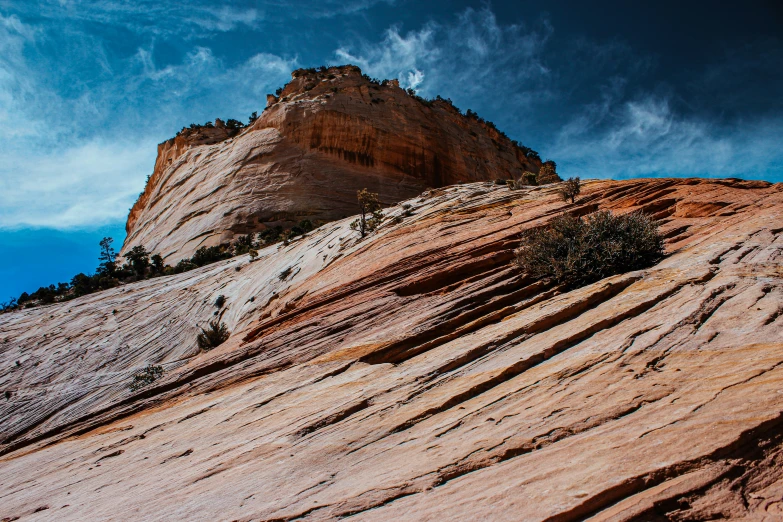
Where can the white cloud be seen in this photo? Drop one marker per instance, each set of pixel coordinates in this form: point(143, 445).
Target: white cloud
point(87, 185)
point(397, 56)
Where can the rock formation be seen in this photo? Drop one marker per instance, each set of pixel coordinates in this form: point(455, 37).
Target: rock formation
point(415, 375)
point(330, 134)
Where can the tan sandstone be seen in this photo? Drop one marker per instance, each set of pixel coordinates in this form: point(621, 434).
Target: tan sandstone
point(415, 375)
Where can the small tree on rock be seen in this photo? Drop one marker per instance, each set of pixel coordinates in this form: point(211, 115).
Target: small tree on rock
point(107, 255)
point(370, 216)
point(570, 189)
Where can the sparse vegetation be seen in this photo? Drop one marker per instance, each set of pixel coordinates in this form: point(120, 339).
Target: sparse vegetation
point(570, 189)
point(573, 251)
point(146, 376)
point(215, 335)
point(370, 215)
point(220, 301)
point(141, 264)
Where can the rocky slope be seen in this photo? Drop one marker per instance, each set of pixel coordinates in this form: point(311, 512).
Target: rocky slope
point(330, 134)
point(415, 375)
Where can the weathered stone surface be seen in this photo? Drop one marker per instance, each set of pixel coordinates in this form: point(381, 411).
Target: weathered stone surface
point(330, 134)
point(415, 376)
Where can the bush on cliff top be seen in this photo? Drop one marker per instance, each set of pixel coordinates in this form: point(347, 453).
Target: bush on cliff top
point(573, 251)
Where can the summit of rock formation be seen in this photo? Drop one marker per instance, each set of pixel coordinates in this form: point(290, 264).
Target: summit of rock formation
point(415, 374)
point(331, 132)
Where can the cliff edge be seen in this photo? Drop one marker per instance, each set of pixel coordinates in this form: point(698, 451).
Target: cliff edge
point(330, 133)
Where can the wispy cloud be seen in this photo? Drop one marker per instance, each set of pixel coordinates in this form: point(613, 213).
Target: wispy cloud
point(465, 56)
point(191, 19)
point(646, 137)
point(195, 18)
point(589, 105)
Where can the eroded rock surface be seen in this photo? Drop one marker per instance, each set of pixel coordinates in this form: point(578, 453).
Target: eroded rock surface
point(414, 375)
point(330, 134)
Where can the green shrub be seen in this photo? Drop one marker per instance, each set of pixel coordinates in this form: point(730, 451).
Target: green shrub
point(146, 376)
point(215, 335)
point(573, 251)
point(139, 259)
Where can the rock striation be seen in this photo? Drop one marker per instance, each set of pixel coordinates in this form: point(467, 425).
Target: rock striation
point(331, 133)
point(415, 375)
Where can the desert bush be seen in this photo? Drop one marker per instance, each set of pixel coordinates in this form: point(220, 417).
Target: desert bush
point(527, 179)
point(215, 335)
point(570, 189)
point(220, 301)
point(573, 251)
point(146, 376)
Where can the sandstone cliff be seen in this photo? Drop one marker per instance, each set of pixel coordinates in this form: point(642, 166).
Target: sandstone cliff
point(415, 375)
point(330, 133)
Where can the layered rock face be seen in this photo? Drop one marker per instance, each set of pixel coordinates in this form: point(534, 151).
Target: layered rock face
point(415, 375)
point(330, 134)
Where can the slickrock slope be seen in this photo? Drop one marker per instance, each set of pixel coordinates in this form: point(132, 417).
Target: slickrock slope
point(330, 134)
point(415, 375)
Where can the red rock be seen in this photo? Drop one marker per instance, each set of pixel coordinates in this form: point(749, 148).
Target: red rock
point(414, 375)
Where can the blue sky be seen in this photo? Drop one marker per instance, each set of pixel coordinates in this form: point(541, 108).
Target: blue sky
point(88, 88)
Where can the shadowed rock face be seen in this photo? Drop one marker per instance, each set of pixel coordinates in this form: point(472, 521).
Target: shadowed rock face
point(330, 134)
point(415, 375)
